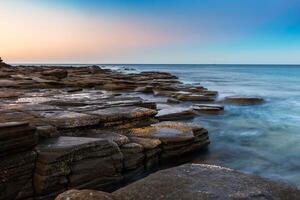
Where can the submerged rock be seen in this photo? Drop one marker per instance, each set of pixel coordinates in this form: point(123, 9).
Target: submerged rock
point(198, 181)
point(208, 108)
point(244, 100)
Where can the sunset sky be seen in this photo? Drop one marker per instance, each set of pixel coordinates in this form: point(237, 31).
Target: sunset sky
point(152, 31)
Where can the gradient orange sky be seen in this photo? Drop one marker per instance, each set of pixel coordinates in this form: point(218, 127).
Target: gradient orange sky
point(132, 31)
point(33, 33)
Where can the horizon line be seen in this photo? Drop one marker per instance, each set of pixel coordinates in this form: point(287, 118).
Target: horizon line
point(94, 63)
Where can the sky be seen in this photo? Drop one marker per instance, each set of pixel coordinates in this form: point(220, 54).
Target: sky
point(150, 31)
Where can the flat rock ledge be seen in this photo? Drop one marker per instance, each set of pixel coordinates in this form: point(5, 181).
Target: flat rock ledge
point(193, 182)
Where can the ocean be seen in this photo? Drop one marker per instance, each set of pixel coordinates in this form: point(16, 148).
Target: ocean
point(262, 139)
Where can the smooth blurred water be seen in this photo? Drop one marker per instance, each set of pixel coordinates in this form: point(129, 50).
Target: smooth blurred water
point(263, 139)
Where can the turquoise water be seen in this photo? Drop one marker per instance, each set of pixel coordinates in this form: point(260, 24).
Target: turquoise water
point(263, 139)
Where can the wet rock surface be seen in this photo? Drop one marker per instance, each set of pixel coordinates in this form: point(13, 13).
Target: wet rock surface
point(92, 128)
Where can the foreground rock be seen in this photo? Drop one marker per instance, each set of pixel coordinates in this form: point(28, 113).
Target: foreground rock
point(73, 162)
point(244, 100)
point(84, 195)
point(192, 182)
point(17, 160)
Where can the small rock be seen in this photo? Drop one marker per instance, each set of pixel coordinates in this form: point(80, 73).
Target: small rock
point(175, 113)
point(208, 108)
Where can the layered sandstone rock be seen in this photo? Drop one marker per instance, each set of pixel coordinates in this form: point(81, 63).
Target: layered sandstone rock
point(73, 162)
point(17, 140)
point(176, 138)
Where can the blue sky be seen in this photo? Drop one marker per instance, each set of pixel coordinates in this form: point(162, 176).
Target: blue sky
point(153, 31)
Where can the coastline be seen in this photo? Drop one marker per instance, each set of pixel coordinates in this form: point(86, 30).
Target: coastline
point(69, 122)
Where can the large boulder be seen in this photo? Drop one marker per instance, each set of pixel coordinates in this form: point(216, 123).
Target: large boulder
point(198, 181)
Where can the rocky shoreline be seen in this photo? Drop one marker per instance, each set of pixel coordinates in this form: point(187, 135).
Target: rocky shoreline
point(79, 128)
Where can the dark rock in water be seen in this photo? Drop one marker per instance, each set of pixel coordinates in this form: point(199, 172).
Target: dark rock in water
point(194, 97)
point(84, 195)
point(76, 162)
point(194, 181)
point(244, 100)
point(58, 73)
point(208, 108)
point(175, 113)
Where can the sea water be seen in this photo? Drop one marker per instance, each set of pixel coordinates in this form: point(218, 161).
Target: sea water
point(262, 139)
